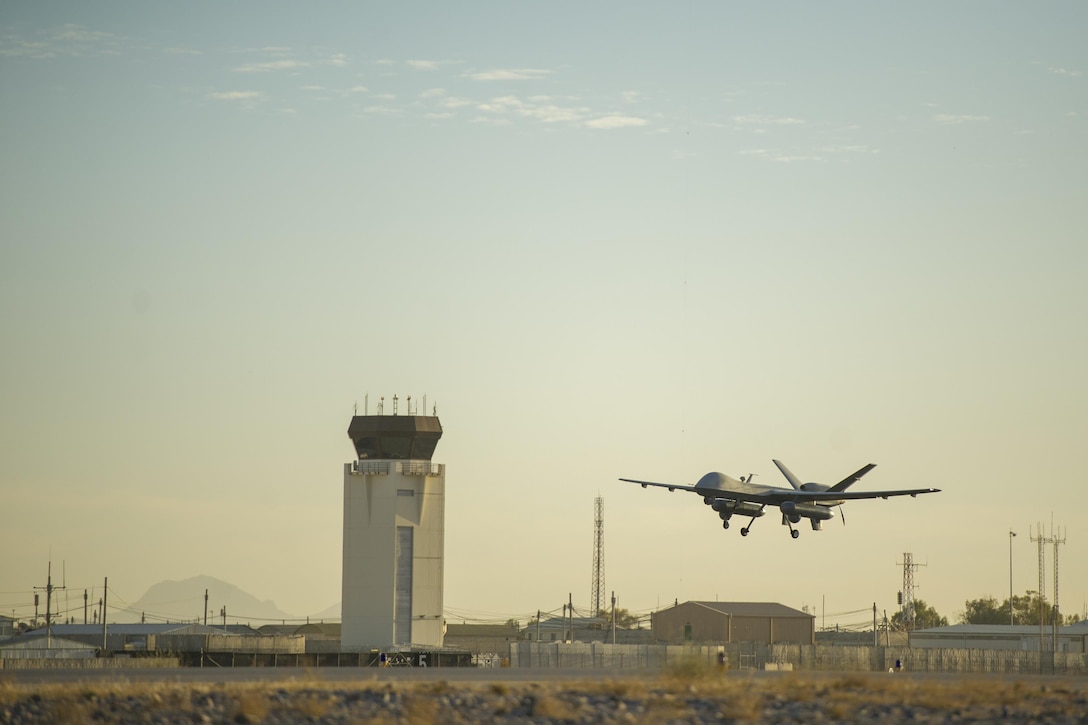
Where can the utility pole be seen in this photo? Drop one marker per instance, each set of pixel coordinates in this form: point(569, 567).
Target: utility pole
point(205, 607)
point(49, 588)
point(105, 594)
point(84, 606)
point(1011, 534)
point(570, 613)
point(613, 618)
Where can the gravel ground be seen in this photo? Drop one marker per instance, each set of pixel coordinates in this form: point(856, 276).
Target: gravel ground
point(733, 698)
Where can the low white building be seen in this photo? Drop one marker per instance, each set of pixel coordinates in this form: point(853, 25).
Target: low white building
point(1072, 638)
point(38, 646)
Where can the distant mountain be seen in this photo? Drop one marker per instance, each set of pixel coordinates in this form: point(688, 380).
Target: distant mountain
point(332, 614)
point(183, 601)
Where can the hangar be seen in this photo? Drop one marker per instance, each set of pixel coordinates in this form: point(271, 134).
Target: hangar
point(727, 622)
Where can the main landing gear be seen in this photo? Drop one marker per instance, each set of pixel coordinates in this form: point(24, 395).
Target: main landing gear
point(746, 529)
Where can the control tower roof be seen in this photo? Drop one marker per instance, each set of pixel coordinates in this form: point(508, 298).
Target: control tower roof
point(396, 437)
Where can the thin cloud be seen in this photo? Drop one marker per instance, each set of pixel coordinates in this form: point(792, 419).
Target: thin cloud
point(70, 40)
point(1065, 72)
point(509, 74)
point(616, 122)
point(850, 149)
point(454, 102)
point(441, 97)
point(951, 119)
point(271, 65)
point(758, 120)
point(545, 112)
point(236, 95)
point(423, 64)
point(780, 157)
point(13, 47)
point(379, 110)
point(788, 159)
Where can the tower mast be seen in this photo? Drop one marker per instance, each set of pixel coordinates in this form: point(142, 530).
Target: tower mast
point(597, 598)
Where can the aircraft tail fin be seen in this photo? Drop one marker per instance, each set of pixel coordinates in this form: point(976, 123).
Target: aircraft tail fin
point(794, 481)
point(852, 478)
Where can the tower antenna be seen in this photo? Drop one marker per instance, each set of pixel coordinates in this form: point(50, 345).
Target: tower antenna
point(908, 590)
point(1042, 540)
point(597, 597)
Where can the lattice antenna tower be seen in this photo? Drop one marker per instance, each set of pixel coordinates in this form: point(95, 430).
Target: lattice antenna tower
point(1042, 540)
point(908, 589)
point(597, 598)
point(1057, 537)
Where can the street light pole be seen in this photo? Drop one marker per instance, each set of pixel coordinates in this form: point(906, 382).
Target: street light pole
point(1011, 534)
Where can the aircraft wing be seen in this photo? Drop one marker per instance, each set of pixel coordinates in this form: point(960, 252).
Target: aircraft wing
point(776, 496)
point(670, 486)
point(853, 495)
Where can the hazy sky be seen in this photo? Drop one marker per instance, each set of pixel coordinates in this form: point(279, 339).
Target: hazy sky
point(604, 239)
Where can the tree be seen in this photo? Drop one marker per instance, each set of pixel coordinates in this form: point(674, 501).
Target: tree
point(924, 616)
point(1029, 608)
point(624, 619)
point(985, 610)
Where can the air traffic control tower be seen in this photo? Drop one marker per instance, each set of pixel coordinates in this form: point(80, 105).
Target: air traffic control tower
point(394, 533)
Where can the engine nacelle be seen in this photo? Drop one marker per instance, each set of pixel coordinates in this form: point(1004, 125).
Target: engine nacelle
point(794, 510)
point(726, 507)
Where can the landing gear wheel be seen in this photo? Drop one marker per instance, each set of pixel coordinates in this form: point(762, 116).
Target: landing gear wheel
point(795, 533)
point(725, 524)
point(744, 531)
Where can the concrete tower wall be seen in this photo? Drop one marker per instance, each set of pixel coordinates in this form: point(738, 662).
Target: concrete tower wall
point(394, 533)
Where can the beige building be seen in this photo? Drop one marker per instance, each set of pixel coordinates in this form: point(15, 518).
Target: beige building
point(728, 622)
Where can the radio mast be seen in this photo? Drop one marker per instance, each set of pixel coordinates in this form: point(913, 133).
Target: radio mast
point(597, 598)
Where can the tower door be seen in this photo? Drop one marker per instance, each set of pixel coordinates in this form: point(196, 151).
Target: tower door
point(402, 592)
